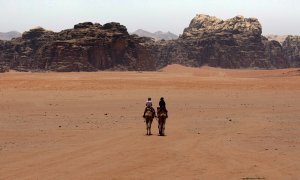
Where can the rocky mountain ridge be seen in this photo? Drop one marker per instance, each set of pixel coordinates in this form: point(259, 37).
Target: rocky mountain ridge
point(86, 47)
point(232, 43)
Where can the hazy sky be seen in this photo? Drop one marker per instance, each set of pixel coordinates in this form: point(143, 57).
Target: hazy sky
point(276, 16)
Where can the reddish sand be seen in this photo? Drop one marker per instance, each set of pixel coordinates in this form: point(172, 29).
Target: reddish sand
point(223, 124)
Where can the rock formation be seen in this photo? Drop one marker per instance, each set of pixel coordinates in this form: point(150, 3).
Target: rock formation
point(291, 49)
point(87, 47)
point(234, 43)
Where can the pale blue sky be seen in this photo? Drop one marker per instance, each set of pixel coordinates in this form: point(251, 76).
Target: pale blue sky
point(276, 16)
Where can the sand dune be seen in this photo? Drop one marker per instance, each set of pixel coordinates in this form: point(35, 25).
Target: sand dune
point(223, 124)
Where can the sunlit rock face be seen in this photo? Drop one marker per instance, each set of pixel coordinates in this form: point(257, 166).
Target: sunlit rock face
point(233, 43)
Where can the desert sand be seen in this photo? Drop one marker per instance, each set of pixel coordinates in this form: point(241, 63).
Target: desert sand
point(223, 124)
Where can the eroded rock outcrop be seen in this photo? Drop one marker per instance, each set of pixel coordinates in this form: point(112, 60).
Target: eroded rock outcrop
point(234, 43)
point(87, 47)
point(291, 49)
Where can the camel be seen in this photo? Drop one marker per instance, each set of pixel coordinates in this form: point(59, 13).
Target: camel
point(149, 115)
point(162, 117)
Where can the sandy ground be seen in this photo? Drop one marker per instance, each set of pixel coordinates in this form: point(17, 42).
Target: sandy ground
point(223, 124)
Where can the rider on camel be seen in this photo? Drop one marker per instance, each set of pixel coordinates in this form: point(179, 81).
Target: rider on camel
point(149, 105)
point(162, 105)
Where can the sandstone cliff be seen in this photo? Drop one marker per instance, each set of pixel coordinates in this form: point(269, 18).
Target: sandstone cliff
point(234, 43)
point(291, 49)
point(87, 47)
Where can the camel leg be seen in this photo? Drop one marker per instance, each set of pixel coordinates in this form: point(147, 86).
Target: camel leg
point(164, 125)
point(159, 127)
point(147, 126)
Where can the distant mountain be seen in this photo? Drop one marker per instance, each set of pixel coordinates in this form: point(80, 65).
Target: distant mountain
point(159, 35)
point(279, 38)
point(9, 35)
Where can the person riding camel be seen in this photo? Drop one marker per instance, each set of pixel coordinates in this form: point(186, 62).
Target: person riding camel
point(162, 105)
point(149, 105)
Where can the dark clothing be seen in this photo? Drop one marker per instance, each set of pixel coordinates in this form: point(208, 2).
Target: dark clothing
point(162, 105)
